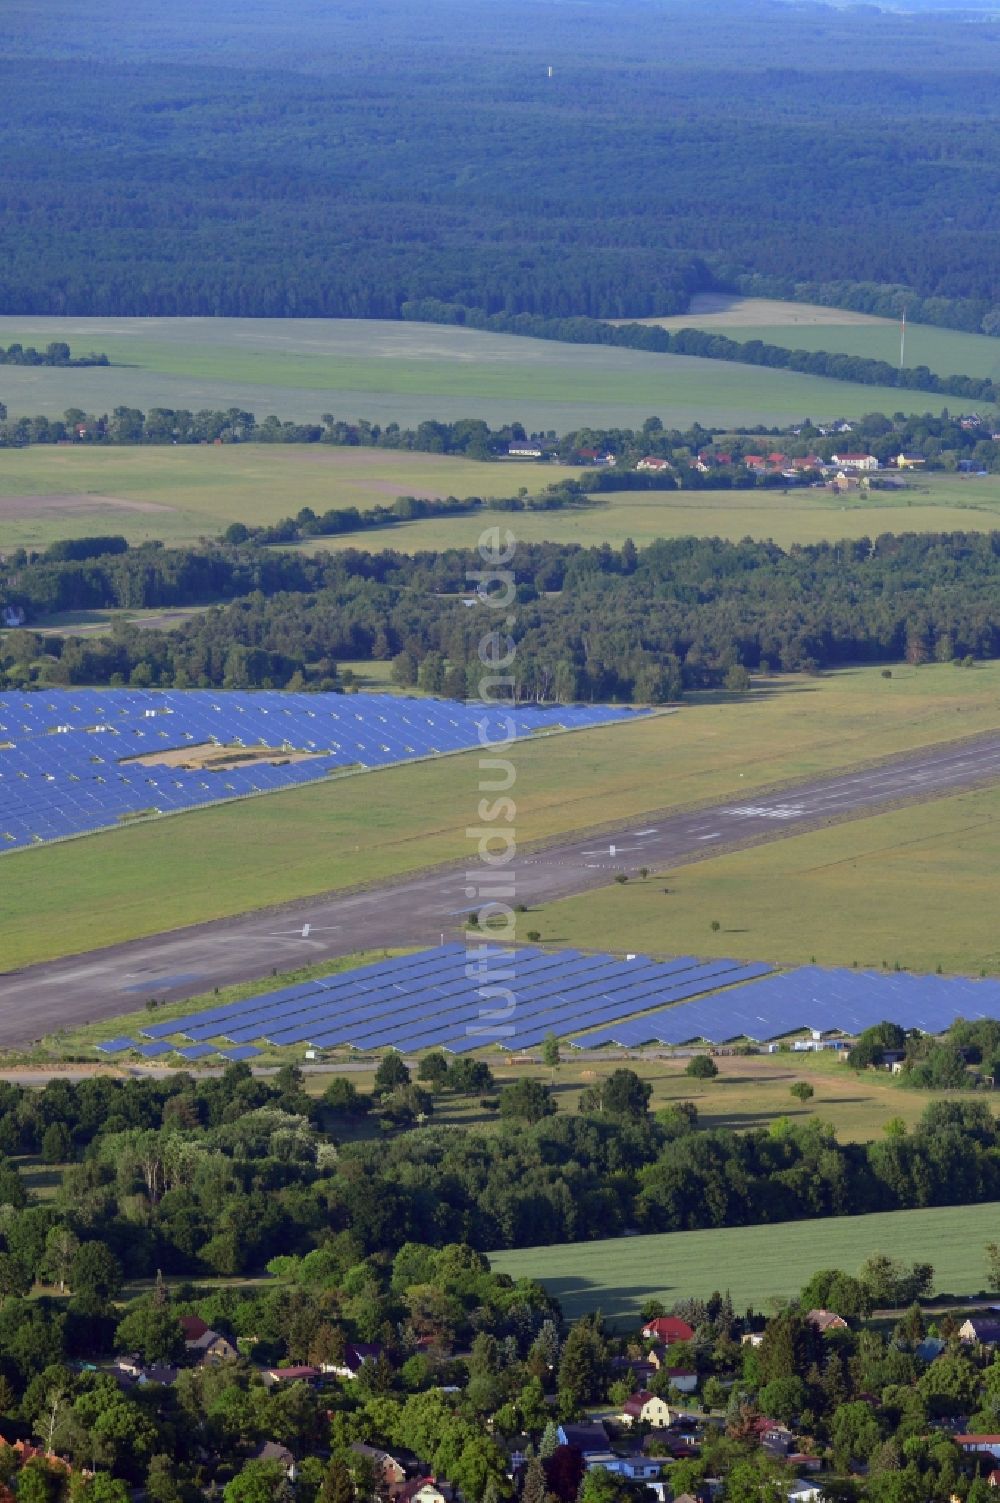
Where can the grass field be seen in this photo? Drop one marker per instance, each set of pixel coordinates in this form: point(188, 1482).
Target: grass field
point(179, 495)
point(935, 503)
point(217, 862)
point(917, 886)
point(755, 1263)
point(807, 326)
point(403, 372)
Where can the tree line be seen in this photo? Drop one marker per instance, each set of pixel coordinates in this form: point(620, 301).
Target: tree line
point(859, 369)
point(55, 353)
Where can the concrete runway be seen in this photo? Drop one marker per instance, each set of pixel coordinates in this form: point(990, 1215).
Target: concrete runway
point(421, 908)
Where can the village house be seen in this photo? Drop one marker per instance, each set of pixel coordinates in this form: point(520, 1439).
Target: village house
point(356, 1354)
point(589, 1440)
point(980, 1329)
point(826, 1320)
point(645, 1408)
point(908, 460)
point(211, 1347)
point(667, 1329)
point(389, 1468)
point(654, 464)
point(525, 449)
point(974, 1445)
point(421, 1490)
point(270, 1450)
point(802, 1491)
point(300, 1374)
point(861, 463)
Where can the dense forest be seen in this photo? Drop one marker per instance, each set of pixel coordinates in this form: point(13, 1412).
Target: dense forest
point(203, 1152)
point(195, 165)
point(591, 623)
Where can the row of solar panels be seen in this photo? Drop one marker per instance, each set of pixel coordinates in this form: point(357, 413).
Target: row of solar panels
point(74, 781)
point(189, 1052)
point(459, 1000)
point(437, 1000)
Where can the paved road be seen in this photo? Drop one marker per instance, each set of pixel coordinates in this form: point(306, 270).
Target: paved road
point(422, 908)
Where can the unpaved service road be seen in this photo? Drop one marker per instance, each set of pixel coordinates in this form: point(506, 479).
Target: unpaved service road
point(420, 909)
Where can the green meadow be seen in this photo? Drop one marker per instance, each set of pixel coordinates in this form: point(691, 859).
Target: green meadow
point(915, 887)
point(213, 863)
point(933, 503)
point(755, 1263)
point(181, 494)
point(394, 371)
point(808, 326)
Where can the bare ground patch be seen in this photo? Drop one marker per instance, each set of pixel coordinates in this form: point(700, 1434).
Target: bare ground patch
point(726, 311)
point(70, 504)
point(208, 756)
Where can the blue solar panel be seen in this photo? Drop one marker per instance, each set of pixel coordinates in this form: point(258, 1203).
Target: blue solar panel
point(67, 770)
point(456, 998)
point(116, 1046)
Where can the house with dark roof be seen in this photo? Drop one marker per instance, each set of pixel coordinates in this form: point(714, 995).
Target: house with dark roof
point(389, 1468)
point(271, 1450)
point(826, 1320)
point(211, 1347)
point(297, 1374)
point(587, 1439)
point(356, 1354)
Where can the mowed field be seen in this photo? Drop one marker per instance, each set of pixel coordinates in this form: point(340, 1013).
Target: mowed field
point(935, 503)
point(809, 326)
point(755, 1263)
point(388, 371)
point(181, 494)
point(915, 887)
point(218, 862)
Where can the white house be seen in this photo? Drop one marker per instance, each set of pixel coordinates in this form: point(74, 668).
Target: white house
point(860, 463)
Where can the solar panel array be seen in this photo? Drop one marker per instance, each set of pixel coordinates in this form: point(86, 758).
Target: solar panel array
point(827, 1001)
point(63, 767)
point(458, 999)
point(443, 999)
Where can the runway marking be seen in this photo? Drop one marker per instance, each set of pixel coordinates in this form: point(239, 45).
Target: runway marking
point(766, 811)
point(714, 836)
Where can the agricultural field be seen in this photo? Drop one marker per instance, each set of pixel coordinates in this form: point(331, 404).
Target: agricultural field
point(218, 862)
point(405, 372)
point(935, 503)
point(915, 887)
point(755, 1263)
point(180, 494)
point(808, 326)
